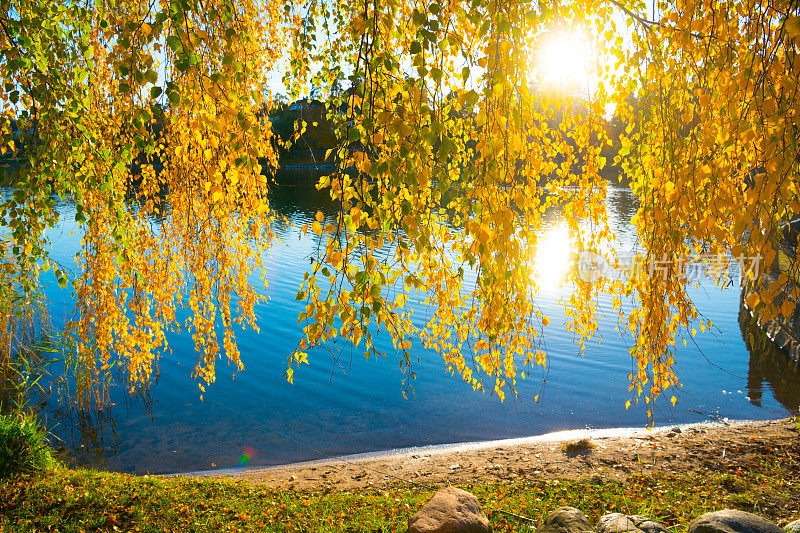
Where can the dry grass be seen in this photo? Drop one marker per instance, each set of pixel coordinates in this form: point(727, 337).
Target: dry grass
point(578, 447)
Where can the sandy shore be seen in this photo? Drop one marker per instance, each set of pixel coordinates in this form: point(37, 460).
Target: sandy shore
point(614, 454)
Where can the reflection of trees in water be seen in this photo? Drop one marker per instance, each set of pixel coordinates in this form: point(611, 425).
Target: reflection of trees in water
point(84, 438)
point(769, 366)
point(89, 437)
point(622, 205)
point(8, 174)
point(293, 194)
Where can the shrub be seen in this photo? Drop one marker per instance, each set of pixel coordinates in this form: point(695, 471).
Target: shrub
point(23, 448)
point(580, 447)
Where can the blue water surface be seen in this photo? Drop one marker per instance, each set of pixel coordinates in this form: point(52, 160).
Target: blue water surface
point(353, 404)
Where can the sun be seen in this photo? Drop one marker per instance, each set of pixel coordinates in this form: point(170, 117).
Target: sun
point(563, 60)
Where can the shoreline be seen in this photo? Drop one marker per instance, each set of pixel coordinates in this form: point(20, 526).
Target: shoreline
point(615, 453)
point(672, 478)
point(399, 453)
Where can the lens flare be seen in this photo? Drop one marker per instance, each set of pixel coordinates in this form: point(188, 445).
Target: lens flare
point(247, 454)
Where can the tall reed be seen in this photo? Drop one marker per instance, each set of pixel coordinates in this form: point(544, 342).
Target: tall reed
point(24, 331)
point(24, 328)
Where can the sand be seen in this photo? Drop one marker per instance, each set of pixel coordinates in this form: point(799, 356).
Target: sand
point(613, 454)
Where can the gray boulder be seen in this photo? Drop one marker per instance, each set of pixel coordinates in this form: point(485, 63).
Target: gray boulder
point(451, 510)
point(621, 523)
point(732, 521)
point(792, 527)
point(566, 520)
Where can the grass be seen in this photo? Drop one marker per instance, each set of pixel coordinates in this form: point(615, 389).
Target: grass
point(23, 335)
point(68, 500)
point(23, 449)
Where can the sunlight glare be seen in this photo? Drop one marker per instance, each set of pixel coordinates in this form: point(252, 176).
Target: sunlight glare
point(564, 60)
point(552, 262)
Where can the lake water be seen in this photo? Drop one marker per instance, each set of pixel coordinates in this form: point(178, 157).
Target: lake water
point(357, 405)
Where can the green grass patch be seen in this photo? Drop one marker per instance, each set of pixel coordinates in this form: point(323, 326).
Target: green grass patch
point(68, 500)
point(23, 448)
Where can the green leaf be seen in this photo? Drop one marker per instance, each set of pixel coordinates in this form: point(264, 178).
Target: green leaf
point(375, 291)
point(416, 48)
point(504, 26)
point(173, 42)
point(155, 92)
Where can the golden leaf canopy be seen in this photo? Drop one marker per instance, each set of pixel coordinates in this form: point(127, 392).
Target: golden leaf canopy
point(451, 147)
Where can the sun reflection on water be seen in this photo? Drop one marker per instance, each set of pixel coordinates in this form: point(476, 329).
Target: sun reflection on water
point(552, 262)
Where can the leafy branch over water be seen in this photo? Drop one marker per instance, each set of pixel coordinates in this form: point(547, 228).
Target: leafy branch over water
point(450, 148)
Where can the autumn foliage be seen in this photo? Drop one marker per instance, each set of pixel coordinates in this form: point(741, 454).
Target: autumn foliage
point(451, 147)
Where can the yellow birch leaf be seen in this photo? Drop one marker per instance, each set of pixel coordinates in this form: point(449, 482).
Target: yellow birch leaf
point(792, 26)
